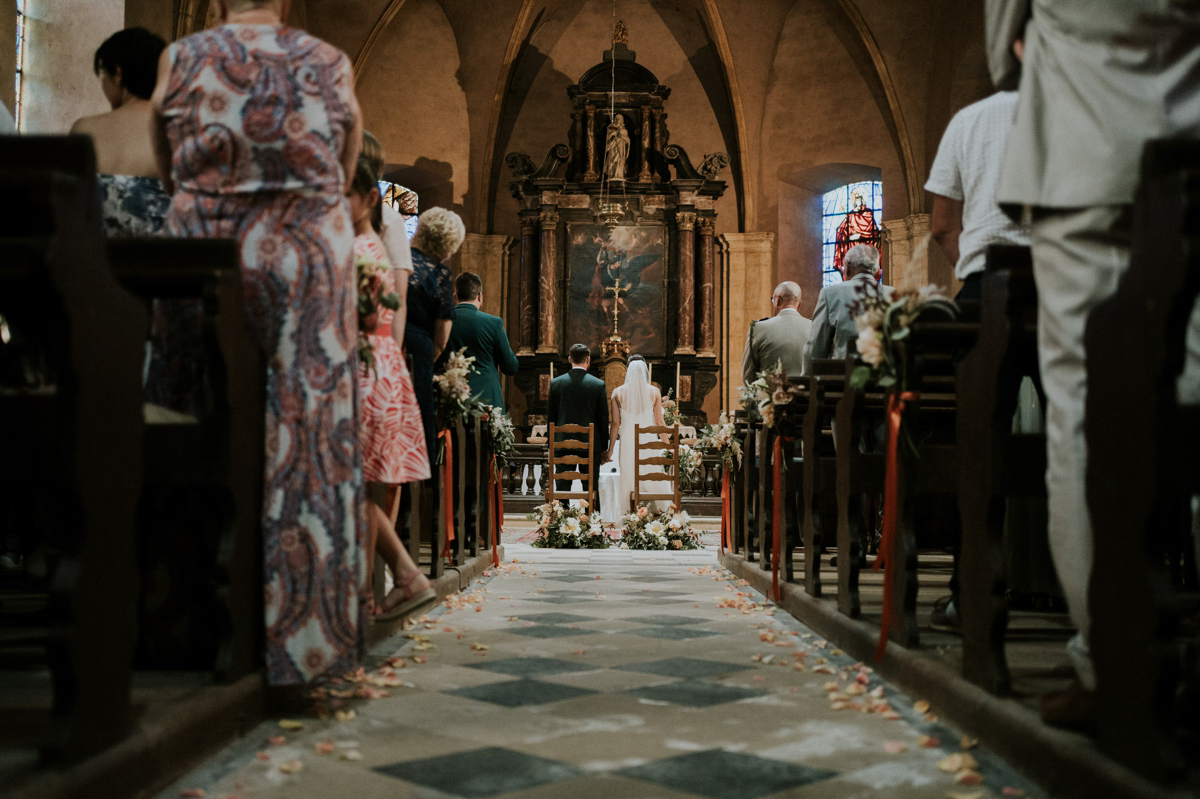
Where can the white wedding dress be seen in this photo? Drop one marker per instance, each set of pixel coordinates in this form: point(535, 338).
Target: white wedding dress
point(636, 399)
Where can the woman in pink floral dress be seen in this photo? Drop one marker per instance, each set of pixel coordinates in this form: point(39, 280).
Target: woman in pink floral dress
point(258, 133)
point(391, 433)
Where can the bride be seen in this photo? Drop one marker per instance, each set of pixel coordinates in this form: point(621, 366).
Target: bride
point(636, 402)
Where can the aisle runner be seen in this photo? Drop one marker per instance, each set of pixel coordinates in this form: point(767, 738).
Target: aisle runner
point(610, 675)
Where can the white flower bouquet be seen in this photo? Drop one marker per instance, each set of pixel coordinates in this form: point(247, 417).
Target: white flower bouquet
point(722, 439)
point(643, 529)
point(884, 323)
point(499, 430)
point(768, 393)
point(568, 527)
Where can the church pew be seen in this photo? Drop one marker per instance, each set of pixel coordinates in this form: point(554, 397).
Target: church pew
point(70, 437)
point(1142, 472)
point(200, 512)
point(1001, 463)
point(859, 469)
point(739, 508)
point(818, 484)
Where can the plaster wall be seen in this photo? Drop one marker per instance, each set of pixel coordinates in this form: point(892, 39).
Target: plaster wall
point(8, 51)
point(59, 84)
point(153, 15)
point(412, 102)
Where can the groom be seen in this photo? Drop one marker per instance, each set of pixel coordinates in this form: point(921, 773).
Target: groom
point(579, 398)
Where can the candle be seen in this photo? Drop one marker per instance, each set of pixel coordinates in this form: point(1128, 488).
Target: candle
point(552, 370)
point(649, 373)
point(677, 380)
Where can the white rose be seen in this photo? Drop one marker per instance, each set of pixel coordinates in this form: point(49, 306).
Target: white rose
point(870, 347)
point(655, 528)
point(571, 526)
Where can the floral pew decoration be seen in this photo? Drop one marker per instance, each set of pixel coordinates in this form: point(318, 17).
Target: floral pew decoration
point(884, 324)
point(501, 438)
point(454, 404)
point(644, 529)
point(569, 527)
point(722, 439)
point(767, 398)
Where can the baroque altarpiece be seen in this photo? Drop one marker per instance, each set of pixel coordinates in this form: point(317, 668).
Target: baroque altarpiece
point(617, 242)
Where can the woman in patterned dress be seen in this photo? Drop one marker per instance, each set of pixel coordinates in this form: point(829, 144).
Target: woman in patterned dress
point(391, 434)
point(257, 135)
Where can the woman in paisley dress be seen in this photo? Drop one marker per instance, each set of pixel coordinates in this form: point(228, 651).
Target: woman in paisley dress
point(258, 133)
point(391, 434)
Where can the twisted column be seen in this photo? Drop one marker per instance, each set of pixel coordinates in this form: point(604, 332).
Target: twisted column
point(686, 221)
point(526, 294)
point(548, 283)
point(705, 257)
point(590, 175)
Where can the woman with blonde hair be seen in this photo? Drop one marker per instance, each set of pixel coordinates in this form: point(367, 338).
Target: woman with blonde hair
point(431, 303)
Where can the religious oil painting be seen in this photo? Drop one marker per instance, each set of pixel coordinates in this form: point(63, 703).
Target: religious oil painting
point(617, 280)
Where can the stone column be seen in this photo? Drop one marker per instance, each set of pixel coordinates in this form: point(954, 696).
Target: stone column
point(705, 306)
point(905, 251)
point(685, 344)
point(487, 256)
point(748, 281)
point(590, 175)
point(548, 284)
point(644, 175)
point(526, 280)
point(658, 143)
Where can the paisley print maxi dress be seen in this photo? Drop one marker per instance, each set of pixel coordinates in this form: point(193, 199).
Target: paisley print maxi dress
point(257, 117)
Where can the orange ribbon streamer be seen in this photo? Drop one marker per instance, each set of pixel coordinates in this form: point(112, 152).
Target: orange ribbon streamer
point(447, 488)
point(496, 507)
point(891, 496)
point(726, 512)
point(776, 515)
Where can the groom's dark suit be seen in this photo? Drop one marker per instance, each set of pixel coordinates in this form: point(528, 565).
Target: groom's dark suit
point(579, 398)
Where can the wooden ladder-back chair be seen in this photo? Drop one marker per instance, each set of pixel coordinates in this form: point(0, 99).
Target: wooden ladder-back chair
point(571, 459)
point(655, 458)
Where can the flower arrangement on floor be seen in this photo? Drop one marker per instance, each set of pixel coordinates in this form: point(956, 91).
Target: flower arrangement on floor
point(373, 293)
point(644, 529)
point(722, 439)
point(568, 527)
point(883, 323)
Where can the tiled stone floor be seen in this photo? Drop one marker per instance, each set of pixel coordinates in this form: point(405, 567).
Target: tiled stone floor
point(607, 675)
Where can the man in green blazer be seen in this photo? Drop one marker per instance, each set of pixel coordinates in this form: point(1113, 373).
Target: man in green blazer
point(484, 337)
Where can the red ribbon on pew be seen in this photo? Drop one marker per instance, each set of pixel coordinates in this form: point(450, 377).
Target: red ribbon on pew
point(496, 499)
point(726, 511)
point(447, 488)
point(891, 492)
point(776, 514)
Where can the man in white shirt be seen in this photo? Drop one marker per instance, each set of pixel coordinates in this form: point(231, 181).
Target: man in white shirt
point(966, 217)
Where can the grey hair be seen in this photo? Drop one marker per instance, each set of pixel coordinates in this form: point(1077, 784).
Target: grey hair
point(861, 258)
point(788, 292)
point(440, 232)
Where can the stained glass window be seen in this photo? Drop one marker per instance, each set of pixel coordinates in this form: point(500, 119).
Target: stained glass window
point(403, 200)
point(851, 214)
point(20, 74)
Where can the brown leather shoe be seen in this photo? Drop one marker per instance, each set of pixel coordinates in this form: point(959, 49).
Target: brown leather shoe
point(1073, 708)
